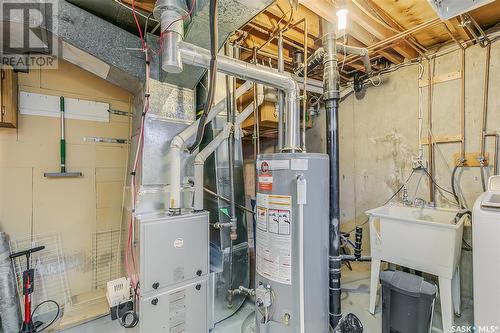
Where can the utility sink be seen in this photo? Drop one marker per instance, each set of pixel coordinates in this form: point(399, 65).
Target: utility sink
point(422, 238)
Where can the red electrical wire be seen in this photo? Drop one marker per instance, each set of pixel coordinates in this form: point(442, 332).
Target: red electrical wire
point(129, 251)
point(143, 42)
point(131, 268)
point(182, 18)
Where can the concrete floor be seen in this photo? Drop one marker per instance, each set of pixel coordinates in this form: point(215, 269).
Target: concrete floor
point(355, 284)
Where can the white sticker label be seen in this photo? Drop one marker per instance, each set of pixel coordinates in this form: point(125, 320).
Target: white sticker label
point(300, 164)
point(178, 243)
point(273, 165)
point(274, 237)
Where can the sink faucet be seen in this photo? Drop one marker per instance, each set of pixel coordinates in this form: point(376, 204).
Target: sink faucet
point(419, 202)
point(406, 200)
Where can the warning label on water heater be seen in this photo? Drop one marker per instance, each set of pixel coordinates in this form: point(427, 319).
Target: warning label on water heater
point(274, 237)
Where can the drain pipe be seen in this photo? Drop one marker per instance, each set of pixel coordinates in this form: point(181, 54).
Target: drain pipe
point(178, 144)
point(201, 157)
point(197, 56)
point(331, 86)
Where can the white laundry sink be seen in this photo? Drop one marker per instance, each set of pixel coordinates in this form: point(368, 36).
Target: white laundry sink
point(425, 239)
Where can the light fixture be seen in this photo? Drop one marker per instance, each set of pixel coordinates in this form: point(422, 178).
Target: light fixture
point(342, 18)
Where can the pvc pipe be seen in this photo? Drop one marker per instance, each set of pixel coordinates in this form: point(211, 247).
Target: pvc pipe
point(198, 56)
point(360, 51)
point(178, 144)
point(200, 161)
point(201, 157)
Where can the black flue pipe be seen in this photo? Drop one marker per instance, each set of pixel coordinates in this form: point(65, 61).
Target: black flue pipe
point(331, 87)
point(332, 116)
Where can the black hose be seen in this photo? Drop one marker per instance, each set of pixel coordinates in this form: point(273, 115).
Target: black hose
point(483, 180)
point(214, 47)
point(453, 186)
point(55, 317)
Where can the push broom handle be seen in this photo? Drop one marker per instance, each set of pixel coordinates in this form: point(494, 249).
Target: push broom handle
point(63, 141)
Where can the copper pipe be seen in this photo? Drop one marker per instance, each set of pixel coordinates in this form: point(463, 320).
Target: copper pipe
point(485, 98)
point(395, 37)
point(495, 158)
point(432, 186)
point(304, 96)
point(452, 36)
point(255, 136)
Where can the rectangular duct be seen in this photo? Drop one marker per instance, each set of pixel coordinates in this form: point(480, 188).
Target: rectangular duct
point(447, 9)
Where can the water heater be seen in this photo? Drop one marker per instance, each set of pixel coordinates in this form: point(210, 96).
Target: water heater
point(292, 243)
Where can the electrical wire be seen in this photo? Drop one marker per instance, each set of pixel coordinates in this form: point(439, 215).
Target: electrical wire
point(130, 8)
point(437, 185)
point(55, 317)
point(166, 29)
point(134, 13)
point(400, 188)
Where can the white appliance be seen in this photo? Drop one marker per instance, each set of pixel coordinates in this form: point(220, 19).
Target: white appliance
point(486, 254)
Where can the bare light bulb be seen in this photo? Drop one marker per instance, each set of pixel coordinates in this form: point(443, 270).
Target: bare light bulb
point(342, 19)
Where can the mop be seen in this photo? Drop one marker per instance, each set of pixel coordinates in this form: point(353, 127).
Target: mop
point(63, 172)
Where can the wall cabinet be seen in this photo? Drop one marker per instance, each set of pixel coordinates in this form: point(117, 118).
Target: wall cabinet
point(8, 97)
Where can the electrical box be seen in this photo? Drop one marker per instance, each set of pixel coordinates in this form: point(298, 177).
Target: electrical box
point(8, 97)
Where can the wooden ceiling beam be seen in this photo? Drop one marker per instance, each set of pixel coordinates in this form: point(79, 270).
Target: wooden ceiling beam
point(146, 5)
point(357, 32)
point(327, 11)
point(376, 29)
point(391, 22)
point(269, 22)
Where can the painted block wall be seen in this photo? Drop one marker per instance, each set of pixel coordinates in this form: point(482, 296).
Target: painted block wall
point(80, 208)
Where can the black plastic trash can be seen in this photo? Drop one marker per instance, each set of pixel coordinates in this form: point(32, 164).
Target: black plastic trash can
point(407, 303)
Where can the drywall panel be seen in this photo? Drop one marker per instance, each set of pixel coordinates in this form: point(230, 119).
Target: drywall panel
point(67, 206)
point(15, 201)
point(78, 81)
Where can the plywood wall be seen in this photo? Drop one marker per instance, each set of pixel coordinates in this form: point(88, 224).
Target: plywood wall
point(76, 208)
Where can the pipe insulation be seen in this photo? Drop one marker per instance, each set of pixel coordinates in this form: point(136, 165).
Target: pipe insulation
point(179, 142)
point(197, 56)
point(202, 156)
point(9, 300)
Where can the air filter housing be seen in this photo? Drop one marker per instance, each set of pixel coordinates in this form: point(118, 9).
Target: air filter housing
point(447, 9)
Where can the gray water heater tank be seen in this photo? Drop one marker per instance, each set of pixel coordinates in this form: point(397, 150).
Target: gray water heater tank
point(292, 190)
